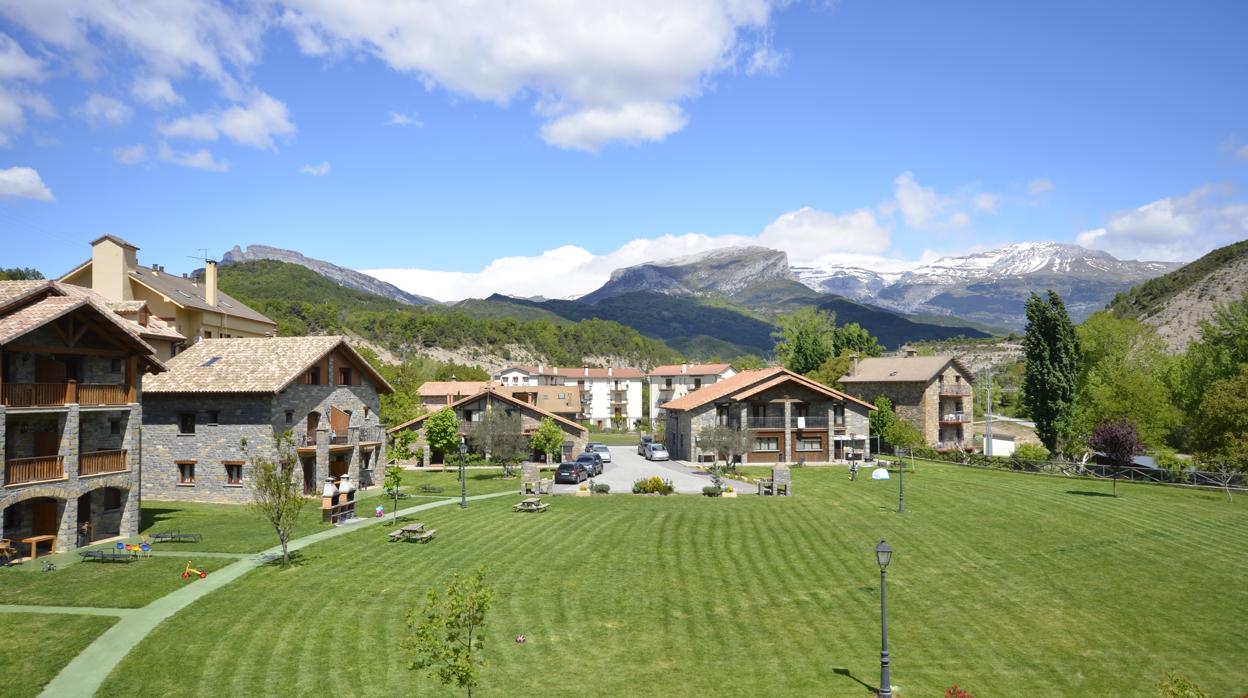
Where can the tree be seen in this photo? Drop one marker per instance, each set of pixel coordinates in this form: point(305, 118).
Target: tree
point(903, 434)
point(1220, 425)
point(805, 339)
point(499, 436)
point(723, 441)
point(277, 494)
point(394, 479)
point(747, 362)
point(883, 417)
point(854, 338)
point(548, 439)
point(403, 445)
point(20, 274)
point(832, 370)
point(1051, 349)
point(448, 634)
point(1222, 349)
point(1119, 442)
point(442, 431)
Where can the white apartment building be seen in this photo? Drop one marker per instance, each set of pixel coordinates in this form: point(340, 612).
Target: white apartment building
point(608, 395)
point(670, 382)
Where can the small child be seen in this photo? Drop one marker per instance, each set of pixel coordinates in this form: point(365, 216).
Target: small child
point(379, 512)
point(853, 470)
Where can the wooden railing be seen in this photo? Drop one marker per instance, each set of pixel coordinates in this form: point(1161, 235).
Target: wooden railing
point(56, 394)
point(19, 471)
point(100, 462)
point(955, 418)
point(955, 389)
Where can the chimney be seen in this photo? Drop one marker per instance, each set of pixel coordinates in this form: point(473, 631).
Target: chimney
point(587, 372)
point(853, 363)
point(112, 261)
point(684, 368)
point(911, 353)
point(610, 371)
point(210, 282)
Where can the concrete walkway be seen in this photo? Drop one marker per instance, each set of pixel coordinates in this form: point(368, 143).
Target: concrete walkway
point(84, 675)
point(70, 610)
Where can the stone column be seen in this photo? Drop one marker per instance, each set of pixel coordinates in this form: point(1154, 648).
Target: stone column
point(69, 440)
point(830, 447)
point(132, 441)
point(787, 451)
point(745, 426)
point(322, 451)
point(67, 511)
point(4, 427)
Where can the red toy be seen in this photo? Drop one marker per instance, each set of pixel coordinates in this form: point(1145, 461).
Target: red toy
point(186, 573)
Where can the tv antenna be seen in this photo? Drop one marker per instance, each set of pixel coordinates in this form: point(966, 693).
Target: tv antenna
point(203, 257)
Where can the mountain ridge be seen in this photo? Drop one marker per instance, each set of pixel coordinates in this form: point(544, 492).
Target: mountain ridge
point(340, 275)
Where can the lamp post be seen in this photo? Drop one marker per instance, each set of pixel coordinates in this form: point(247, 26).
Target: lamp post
point(884, 553)
point(463, 481)
point(901, 487)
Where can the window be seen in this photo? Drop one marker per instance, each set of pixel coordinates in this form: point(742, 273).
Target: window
point(813, 444)
point(767, 443)
point(366, 412)
point(207, 334)
point(233, 472)
point(112, 499)
point(214, 416)
point(314, 375)
point(290, 417)
point(211, 362)
point(186, 472)
point(838, 415)
point(186, 422)
point(801, 410)
point(667, 383)
point(114, 426)
point(697, 383)
point(344, 376)
point(561, 396)
point(114, 365)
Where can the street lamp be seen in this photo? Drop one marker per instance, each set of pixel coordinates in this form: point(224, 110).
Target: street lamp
point(901, 492)
point(463, 481)
point(884, 553)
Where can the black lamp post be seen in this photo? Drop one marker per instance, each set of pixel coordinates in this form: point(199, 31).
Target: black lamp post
point(884, 553)
point(901, 491)
point(463, 481)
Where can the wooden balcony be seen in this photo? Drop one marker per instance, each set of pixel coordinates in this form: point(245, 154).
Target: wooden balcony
point(954, 389)
point(102, 462)
point(23, 471)
point(58, 394)
point(808, 422)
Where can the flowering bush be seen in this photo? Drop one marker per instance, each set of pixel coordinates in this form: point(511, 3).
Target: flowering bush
point(653, 485)
point(955, 692)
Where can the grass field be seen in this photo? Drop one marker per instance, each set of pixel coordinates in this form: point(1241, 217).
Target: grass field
point(1007, 584)
point(48, 642)
point(99, 584)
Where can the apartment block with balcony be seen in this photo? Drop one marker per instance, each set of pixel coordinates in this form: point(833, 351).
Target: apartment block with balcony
point(786, 418)
point(609, 397)
point(677, 380)
point(71, 376)
point(221, 392)
point(934, 393)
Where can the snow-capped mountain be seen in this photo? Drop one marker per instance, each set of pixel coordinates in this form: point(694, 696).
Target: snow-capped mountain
point(991, 286)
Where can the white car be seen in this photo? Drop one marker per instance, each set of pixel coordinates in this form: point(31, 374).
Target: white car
point(601, 449)
point(656, 452)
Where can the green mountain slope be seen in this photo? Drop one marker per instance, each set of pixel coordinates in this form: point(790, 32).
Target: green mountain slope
point(303, 302)
point(1150, 297)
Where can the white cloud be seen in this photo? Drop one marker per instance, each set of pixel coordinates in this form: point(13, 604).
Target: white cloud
point(130, 155)
point(99, 109)
point(16, 64)
point(589, 129)
point(1040, 186)
point(155, 92)
point(925, 208)
point(808, 234)
point(1174, 228)
point(597, 71)
point(398, 118)
point(23, 183)
point(199, 160)
point(315, 170)
point(255, 124)
point(18, 67)
point(986, 202)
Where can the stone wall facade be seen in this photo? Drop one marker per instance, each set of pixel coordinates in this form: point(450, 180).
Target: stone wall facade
point(921, 403)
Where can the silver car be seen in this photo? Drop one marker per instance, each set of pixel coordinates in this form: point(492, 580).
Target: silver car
point(601, 449)
point(656, 452)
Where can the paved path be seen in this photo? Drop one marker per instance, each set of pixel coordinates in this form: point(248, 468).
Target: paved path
point(71, 610)
point(84, 675)
point(626, 467)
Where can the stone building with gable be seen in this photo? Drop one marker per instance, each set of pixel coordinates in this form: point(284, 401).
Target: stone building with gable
point(220, 392)
point(71, 379)
point(934, 393)
point(786, 418)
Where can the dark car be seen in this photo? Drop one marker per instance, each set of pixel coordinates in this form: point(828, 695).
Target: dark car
point(643, 446)
point(572, 473)
point(592, 463)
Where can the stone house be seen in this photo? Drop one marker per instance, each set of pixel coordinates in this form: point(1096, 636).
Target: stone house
point(71, 374)
point(556, 399)
point(677, 380)
point(472, 409)
point(608, 396)
point(190, 306)
point(934, 393)
point(221, 392)
point(787, 417)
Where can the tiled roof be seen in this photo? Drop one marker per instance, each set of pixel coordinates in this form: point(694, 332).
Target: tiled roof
point(437, 388)
point(13, 291)
point(190, 294)
point(114, 238)
point(251, 365)
point(902, 369)
point(690, 370)
point(583, 372)
point(749, 383)
point(155, 327)
point(501, 395)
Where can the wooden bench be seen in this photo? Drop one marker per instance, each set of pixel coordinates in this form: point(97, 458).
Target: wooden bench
point(396, 535)
point(531, 504)
point(426, 535)
point(416, 532)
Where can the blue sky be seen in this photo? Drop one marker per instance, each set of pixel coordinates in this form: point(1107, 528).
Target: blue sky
point(531, 148)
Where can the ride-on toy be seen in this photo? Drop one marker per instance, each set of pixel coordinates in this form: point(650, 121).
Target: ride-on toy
point(186, 573)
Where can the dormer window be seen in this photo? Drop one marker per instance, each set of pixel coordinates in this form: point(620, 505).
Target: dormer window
point(314, 375)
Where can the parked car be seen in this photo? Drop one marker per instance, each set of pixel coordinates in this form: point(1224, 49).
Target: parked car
point(592, 463)
point(601, 450)
point(644, 444)
point(572, 473)
point(656, 452)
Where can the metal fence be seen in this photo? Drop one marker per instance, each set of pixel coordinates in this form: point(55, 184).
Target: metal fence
point(1236, 481)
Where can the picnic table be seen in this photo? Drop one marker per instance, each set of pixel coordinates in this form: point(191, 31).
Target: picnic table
point(531, 504)
point(176, 537)
point(413, 532)
point(34, 542)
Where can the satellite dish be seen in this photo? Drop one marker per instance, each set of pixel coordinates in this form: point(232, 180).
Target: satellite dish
point(879, 474)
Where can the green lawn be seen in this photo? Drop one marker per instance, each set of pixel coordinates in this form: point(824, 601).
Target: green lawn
point(48, 642)
point(1009, 585)
point(100, 584)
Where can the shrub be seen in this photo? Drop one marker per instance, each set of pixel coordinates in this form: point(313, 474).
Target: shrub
point(601, 488)
point(1176, 685)
point(1028, 451)
point(955, 692)
point(711, 491)
point(653, 485)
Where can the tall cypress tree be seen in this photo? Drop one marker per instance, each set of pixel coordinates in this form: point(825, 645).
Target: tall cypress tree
point(1051, 349)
